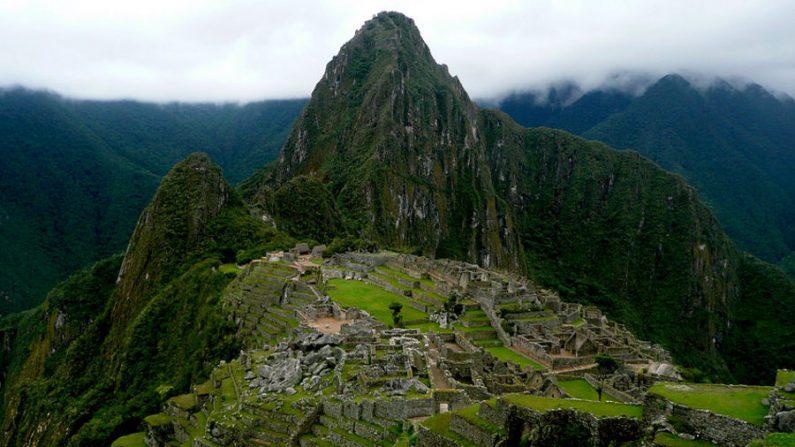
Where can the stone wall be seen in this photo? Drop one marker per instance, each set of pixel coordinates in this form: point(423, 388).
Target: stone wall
point(532, 350)
point(624, 397)
point(703, 424)
point(566, 427)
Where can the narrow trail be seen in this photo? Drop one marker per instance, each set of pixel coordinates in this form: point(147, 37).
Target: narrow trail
point(438, 379)
point(575, 368)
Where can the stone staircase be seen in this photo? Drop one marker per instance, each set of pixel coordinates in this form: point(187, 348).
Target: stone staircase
point(263, 301)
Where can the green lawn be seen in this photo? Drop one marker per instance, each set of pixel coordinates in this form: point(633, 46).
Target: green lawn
point(184, 401)
point(598, 409)
point(666, 439)
point(441, 424)
point(740, 402)
point(429, 326)
point(509, 355)
point(775, 440)
point(579, 388)
point(133, 440)
point(372, 299)
point(470, 413)
point(397, 273)
point(784, 377)
point(229, 268)
point(157, 420)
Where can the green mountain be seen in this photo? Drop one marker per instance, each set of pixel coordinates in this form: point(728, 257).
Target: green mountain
point(410, 162)
point(108, 344)
point(76, 174)
point(388, 151)
point(734, 144)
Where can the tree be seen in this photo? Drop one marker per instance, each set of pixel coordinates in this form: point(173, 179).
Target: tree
point(452, 306)
point(606, 365)
point(397, 319)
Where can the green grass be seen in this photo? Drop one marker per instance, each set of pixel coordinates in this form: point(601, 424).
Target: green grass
point(428, 327)
point(579, 388)
point(739, 402)
point(229, 268)
point(156, 420)
point(598, 409)
point(470, 413)
point(133, 440)
point(184, 401)
point(428, 282)
point(473, 314)
point(578, 322)
point(372, 299)
point(440, 424)
point(784, 377)
point(509, 355)
point(666, 439)
point(485, 328)
point(398, 273)
point(775, 440)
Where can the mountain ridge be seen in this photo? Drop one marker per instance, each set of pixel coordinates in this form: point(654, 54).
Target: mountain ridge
point(76, 174)
point(601, 226)
point(428, 172)
point(732, 141)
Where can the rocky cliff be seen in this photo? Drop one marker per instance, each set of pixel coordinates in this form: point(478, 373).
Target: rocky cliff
point(411, 162)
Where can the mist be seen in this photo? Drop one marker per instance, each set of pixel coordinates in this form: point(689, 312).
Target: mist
point(242, 50)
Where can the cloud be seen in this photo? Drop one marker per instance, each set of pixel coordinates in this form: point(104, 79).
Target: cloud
point(242, 50)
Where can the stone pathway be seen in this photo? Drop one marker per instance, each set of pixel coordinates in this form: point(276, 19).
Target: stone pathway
point(438, 379)
point(576, 368)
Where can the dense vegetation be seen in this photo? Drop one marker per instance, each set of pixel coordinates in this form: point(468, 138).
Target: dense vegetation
point(97, 356)
point(734, 144)
point(76, 174)
point(412, 164)
point(377, 157)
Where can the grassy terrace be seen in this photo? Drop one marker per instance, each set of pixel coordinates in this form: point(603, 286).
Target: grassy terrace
point(470, 413)
point(229, 268)
point(598, 409)
point(440, 424)
point(670, 440)
point(776, 440)
point(581, 389)
point(397, 273)
point(509, 355)
point(133, 440)
point(784, 377)
point(739, 402)
point(375, 301)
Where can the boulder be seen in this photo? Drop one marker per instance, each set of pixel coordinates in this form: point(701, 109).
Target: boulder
point(282, 375)
point(785, 421)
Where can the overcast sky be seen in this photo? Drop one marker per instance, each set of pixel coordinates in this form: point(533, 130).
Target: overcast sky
point(241, 50)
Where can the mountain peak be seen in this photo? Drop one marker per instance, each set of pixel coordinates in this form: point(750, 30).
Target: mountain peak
point(173, 224)
point(384, 105)
point(392, 30)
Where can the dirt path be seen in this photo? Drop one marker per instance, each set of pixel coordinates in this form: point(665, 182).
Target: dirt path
point(328, 325)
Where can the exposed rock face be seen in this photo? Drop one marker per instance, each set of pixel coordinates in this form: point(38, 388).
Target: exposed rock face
point(412, 163)
point(785, 421)
point(398, 141)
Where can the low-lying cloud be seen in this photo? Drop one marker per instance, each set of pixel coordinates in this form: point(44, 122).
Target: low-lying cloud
point(205, 50)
